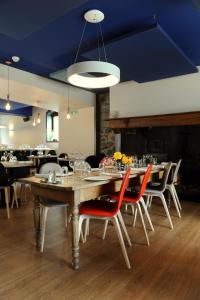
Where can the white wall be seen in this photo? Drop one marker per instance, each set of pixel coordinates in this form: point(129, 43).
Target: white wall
point(38, 91)
point(78, 133)
point(172, 95)
point(19, 132)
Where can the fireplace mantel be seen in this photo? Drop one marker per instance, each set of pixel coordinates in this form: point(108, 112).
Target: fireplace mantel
point(179, 119)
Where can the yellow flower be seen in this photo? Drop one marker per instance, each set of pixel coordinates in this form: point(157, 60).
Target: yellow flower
point(117, 155)
point(130, 160)
point(125, 159)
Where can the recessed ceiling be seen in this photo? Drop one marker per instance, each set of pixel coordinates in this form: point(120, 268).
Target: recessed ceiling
point(45, 35)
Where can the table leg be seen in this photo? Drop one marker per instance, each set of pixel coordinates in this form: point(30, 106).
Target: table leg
point(36, 216)
point(75, 238)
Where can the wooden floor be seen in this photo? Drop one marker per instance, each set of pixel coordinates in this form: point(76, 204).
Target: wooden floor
point(168, 269)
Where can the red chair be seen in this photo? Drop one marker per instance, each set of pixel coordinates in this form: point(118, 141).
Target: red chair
point(136, 200)
point(109, 211)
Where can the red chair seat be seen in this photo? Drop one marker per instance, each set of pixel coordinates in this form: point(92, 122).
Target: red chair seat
point(98, 208)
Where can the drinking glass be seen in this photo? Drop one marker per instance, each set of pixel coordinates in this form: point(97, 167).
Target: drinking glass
point(71, 164)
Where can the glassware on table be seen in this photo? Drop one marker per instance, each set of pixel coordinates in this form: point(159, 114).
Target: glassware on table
point(65, 170)
point(81, 168)
point(71, 164)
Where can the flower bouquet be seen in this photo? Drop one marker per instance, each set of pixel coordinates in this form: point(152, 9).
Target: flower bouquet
point(122, 160)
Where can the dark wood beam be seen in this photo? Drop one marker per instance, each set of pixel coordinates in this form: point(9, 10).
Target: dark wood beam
point(179, 119)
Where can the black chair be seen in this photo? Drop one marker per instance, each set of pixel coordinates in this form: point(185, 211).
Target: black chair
point(34, 152)
point(64, 163)
point(52, 152)
point(63, 155)
point(93, 161)
point(5, 184)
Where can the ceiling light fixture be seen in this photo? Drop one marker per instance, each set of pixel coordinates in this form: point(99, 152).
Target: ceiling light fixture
point(38, 118)
point(93, 74)
point(68, 116)
point(34, 123)
point(7, 105)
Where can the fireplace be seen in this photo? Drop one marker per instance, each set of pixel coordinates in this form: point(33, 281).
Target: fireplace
point(169, 144)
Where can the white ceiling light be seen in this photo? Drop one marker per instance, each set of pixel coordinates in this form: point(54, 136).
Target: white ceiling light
point(7, 105)
point(93, 74)
point(15, 58)
point(2, 126)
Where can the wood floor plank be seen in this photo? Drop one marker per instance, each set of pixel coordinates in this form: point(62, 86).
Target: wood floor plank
point(169, 269)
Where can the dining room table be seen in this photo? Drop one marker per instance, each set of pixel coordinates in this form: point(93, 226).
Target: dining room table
point(74, 190)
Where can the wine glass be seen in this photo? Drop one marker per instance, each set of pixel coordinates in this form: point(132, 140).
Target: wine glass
point(71, 164)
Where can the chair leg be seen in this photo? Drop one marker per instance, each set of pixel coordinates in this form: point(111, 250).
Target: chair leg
point(7, 200)
point(43, 226)
point(120, 237)
point(119, 215)
point(105, 229)
point(80, 232)
point(66, 218)
point(143, 223)
point(134, 217)
point(175, 201)
point(146, 213)
point(86, 233)
point(166, 210)
point(14, 196)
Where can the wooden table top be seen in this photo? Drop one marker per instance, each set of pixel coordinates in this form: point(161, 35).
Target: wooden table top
point(17, 164)
point(72, 183)
point(41, 156)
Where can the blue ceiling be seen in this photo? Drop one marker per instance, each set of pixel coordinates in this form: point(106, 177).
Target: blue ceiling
point(148, 39)
point(18, 109)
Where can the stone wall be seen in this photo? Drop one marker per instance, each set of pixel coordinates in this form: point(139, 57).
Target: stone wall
point(106, 134)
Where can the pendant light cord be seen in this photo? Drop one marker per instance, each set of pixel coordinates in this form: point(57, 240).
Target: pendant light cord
point(99, 52)
point(68, 101)
point(8, 95)
point(79, 46)
point(103, 44)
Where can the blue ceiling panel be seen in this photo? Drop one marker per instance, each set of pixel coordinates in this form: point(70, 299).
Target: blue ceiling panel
point(45, 34)
point(153, 56)
point(26, 17)
point(18, 109)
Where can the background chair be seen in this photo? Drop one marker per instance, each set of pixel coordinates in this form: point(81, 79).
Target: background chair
point(171, 186)
point(46, 204)
point(52, 152)
point(158, 189)
point(5, 184)
point(93, 161)
point(108, 211)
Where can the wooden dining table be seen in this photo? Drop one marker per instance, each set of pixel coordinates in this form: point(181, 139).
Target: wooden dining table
point(73, 190)
point(16, 164)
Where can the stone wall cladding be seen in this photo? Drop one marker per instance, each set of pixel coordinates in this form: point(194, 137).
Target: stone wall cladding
point(107, 135)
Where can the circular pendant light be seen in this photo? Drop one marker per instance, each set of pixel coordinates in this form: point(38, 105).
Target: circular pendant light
point(86, 74)
point(93, 74)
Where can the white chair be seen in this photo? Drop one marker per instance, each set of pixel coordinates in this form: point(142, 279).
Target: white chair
point(157, 190)
point(46, 204)
point(171, 187)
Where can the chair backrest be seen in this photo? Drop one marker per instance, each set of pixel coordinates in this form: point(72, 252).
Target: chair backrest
point(93, 161)
point(63, 155)
point(165, 176)
point(124, 186)
point(50, 167)
point(145, 181)
point(176, 170)
point(3, 176)
point(52, 152)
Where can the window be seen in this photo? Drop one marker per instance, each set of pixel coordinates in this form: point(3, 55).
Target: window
point(52, 126)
